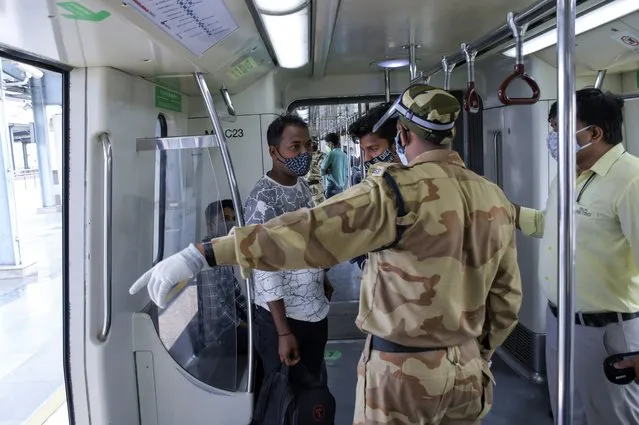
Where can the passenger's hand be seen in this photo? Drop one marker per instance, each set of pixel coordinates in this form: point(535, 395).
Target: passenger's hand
point(160, 279)
point(328, 289)
point(630, 363)
point(288, 350)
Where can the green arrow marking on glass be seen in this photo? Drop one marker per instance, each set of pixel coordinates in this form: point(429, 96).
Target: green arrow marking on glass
point(332, 355)
point(81, 13)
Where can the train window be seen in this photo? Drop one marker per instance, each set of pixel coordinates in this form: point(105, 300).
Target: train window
point(203, 325)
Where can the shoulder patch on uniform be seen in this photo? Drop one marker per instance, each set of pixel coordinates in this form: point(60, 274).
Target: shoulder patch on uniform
point(381, 167)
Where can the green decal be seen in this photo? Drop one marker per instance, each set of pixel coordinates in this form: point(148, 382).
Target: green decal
point(168, 99)
point(332, 355)
point(81, 13)
point(242, 68)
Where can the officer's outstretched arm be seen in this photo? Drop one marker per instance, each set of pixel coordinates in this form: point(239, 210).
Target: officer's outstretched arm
point(353, 223)
point(504, 301)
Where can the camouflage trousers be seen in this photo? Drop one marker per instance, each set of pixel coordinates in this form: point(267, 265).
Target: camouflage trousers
point(453, 386)
point(318, 193)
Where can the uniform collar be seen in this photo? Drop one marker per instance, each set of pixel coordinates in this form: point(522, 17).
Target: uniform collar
point(603, 164)
point(439, 155)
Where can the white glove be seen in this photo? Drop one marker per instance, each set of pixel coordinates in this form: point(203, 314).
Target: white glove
point(162, 277)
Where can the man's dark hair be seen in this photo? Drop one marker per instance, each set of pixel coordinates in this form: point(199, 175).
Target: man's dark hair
point(553, 111)
point(277, 127)
point(364, 125)
point(332, 139)
point(215, 208)
point(604, 110)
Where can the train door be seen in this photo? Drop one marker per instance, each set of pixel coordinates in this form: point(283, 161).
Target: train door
point(130, 199)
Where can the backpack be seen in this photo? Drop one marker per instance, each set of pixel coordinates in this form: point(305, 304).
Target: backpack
point(293, 396)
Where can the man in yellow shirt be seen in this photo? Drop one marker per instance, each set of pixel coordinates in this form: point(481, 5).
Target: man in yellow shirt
point(606, 259)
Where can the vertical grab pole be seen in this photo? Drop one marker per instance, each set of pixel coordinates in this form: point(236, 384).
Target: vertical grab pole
point(237, 204)
point(601, 74)
point(566, 177)
point(412, 58)
point(387, 84)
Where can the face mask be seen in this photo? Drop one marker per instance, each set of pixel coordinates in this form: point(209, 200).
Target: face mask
point(400, 149)
point(578, 147)
point(300, 164)
point(552, 140)
point(386, 156)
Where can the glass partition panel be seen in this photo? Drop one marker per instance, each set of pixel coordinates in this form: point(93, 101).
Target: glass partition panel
point(204, 325)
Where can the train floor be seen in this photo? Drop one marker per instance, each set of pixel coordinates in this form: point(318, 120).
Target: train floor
point(516, 400)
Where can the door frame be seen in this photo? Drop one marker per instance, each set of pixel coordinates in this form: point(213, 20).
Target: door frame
point(64, 70)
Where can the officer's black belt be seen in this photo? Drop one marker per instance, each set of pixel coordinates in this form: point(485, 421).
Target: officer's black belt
point(598, 320)
point(386, 346)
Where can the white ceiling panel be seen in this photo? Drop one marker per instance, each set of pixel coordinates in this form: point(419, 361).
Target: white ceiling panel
point(370, 30)
point(598, 49)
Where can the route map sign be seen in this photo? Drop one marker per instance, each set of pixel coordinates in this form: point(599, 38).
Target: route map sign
point(196, 24)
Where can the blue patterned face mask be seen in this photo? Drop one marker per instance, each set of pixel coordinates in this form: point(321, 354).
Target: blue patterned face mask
point(552, 144)
point(386, 156)
point(300, 164)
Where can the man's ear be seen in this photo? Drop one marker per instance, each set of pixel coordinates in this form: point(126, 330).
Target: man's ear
point(597, 133)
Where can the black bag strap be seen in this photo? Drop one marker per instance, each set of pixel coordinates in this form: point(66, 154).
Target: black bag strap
point(401, 211)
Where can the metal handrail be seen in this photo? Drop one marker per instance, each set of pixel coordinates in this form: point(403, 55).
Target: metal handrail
point(237, 204)
point(107, 235)
point(497, 144)
point(530, 15)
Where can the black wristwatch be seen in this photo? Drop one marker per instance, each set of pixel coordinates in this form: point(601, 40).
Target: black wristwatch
point(209, 254)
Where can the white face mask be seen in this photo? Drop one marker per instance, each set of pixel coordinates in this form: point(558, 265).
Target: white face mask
point(578, 147)
point(553, 140)
point(400, 149)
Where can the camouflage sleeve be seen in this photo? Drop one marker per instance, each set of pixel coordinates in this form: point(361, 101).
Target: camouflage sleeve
point(532, 222)
point(353, 223)
point(503, 303)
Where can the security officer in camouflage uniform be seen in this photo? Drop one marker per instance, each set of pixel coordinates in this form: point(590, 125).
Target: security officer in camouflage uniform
point(314, 176)
point(441, 289)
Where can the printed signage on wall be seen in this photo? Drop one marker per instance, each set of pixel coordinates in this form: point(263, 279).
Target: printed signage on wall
point(230, 133)
point(629, 40)
point(168, 99)
point(243, 68)
point(82, 13)
point(197, 25)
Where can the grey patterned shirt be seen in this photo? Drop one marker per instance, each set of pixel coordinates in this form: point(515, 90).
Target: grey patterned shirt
point(301, 290)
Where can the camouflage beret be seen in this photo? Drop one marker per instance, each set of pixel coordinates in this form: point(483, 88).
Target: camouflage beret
point(424, 110)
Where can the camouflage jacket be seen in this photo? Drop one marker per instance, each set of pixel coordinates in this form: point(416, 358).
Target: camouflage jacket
point(452, 276)
point(314, 173)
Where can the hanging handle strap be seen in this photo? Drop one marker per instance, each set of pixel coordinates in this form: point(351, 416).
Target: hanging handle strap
point(519, 73)
point(448, 69)
point(472, 101)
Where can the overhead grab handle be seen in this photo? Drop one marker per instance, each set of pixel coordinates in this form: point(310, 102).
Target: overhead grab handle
point(448, 69)
point(519, 73)
point(472, 101)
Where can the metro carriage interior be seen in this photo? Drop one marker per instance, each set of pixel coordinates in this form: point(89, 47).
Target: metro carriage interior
point(143, 160)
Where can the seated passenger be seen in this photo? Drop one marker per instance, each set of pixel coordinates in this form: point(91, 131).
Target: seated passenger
point(221, 303)
point(291, 306)
point(334, 167)
point(375, 146)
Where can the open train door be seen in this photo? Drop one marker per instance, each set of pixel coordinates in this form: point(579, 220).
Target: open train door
point(127, 362)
